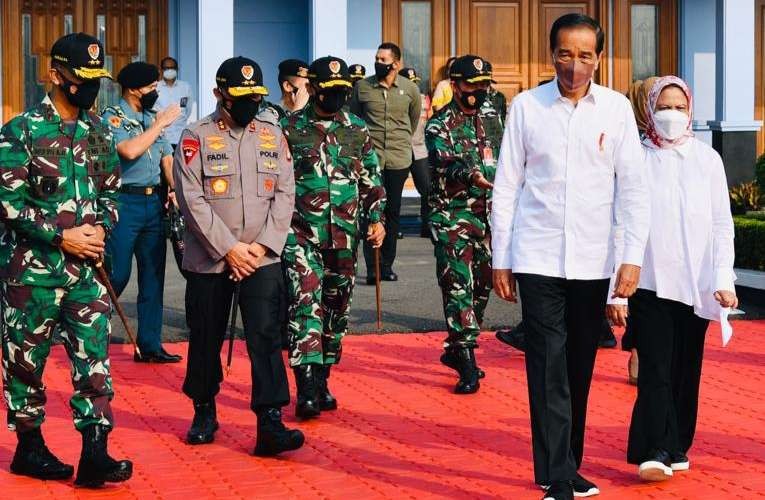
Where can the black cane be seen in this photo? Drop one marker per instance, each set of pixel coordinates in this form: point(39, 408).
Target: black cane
point(232, 327)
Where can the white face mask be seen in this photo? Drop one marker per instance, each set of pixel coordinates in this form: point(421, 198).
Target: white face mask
point(169, 74)
point(671, 124)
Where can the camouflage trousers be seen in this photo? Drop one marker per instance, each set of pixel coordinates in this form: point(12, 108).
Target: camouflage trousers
point(30, 316)
point(463, 269)
point(319, 288)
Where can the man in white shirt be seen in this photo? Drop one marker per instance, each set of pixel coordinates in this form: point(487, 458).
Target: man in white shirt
point(174, 91)
point(569, 170)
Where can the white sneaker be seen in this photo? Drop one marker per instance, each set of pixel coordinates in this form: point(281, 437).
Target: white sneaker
point(654, 470)
point(680, 462)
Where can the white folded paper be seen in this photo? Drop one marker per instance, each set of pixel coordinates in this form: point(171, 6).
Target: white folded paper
point(725, 328)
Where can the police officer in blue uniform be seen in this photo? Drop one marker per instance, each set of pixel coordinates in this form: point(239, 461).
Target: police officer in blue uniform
point(144, 155)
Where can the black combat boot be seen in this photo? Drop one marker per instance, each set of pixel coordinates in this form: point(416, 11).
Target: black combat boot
point(273, 436)
point(204, 425)
point(449, 358)
point(466, 367)
point(34, 459)
point(327, 401)
point(307, 392)
point(96, 466)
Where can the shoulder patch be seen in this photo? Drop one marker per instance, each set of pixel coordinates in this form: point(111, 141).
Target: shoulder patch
point(190, 147)
point(115, 121)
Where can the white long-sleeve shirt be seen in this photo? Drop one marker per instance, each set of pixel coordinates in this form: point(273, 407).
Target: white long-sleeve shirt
point(690, 254)
point(565, 174)
point(179, 93)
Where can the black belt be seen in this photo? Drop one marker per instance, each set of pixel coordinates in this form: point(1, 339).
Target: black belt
point(145, 190)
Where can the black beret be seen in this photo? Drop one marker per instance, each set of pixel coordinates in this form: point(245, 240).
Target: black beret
point(137, 74)
point(293, 67)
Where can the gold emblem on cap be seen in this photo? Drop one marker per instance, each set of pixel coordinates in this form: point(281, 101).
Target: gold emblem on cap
point(478, 63)
point(302, 72)
point(411, 73)
point(247, 72)
point(94, 51)
point(334, 66)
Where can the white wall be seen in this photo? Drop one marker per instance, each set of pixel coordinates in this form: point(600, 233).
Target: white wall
point(364, 32)
point(183, 44)
point(215, 29)
point(697, 59)
point(328, 35)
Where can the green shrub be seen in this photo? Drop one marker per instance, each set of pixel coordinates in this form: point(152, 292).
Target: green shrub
point(759, 172)
point(755, 215)
point(745, 197)
point(750, 242)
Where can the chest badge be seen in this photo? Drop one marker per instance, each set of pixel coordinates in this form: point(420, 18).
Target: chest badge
point(215, 142)
point(219, 186)
point(267, 139)
point(115, 121)
point(268, 185)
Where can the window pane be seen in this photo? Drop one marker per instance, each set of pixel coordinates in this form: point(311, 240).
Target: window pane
point(141, 38)
point(416, 37)
point(110, 90)
point(34, 91)
point(68, 24)
point(644, 37)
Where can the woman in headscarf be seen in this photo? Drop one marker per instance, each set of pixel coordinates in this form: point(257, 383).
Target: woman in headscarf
point(686, 280)
point(638, 96)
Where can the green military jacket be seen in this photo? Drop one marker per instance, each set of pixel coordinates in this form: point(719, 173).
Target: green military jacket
point(337, 179)
point(52, 177)
point(460, 145)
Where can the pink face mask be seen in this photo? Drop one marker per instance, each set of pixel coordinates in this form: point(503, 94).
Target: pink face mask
point(573, 75)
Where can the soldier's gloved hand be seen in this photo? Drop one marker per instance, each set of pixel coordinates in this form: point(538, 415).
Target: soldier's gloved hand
point(83, 242)
point(376, 234)
point(168, 115)
point(241, 261)
point(479, 181)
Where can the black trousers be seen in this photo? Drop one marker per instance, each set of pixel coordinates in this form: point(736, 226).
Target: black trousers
point(670, 340)
point(208, 308)
point(394, 181)
point(421, 176)
point(562, 319)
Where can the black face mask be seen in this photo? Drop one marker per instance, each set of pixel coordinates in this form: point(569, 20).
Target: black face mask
point(243, 110)
point(473, 100)
point(332, 100)
point(382, 70)
point(148, 100)
point(86, 92)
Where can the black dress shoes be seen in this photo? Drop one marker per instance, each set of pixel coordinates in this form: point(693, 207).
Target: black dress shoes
point(205, 423)
point(161, 356)
point(514, 338)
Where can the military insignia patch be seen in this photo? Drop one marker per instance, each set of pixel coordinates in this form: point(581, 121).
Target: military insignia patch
point(411, 73)
point(247, 72)
point(302, 72)
point(334, 66)
point(270, 165)
point(94, 51)
point(216, 143)
point(219, 168)
point(266, 135)
point(221, 124)
point(268, 185)
point(478, 63)
point(115, 121)
point(219, 186)
point(189, 147)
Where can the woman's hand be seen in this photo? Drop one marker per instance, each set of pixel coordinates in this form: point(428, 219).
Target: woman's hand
point(726, 298)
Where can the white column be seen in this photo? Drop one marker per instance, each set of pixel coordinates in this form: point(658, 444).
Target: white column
point(216, 44)
point(329, 28)
point(734, 67)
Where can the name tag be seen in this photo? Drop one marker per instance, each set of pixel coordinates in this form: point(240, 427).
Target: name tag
point(488, 156)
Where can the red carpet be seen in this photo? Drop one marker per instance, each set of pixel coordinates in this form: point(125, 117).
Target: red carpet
point(400, 433)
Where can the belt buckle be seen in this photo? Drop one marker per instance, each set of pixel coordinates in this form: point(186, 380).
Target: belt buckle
point(148, 191)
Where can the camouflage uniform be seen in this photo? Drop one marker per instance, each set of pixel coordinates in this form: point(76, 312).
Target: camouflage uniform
point(337, 183)
point(458, 146)
point(52, 179)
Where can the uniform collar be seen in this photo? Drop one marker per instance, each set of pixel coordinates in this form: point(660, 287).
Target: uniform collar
point(592, 93)
point(129, 111)
point(340, 117)
point(48, 109)
point(376, 82)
